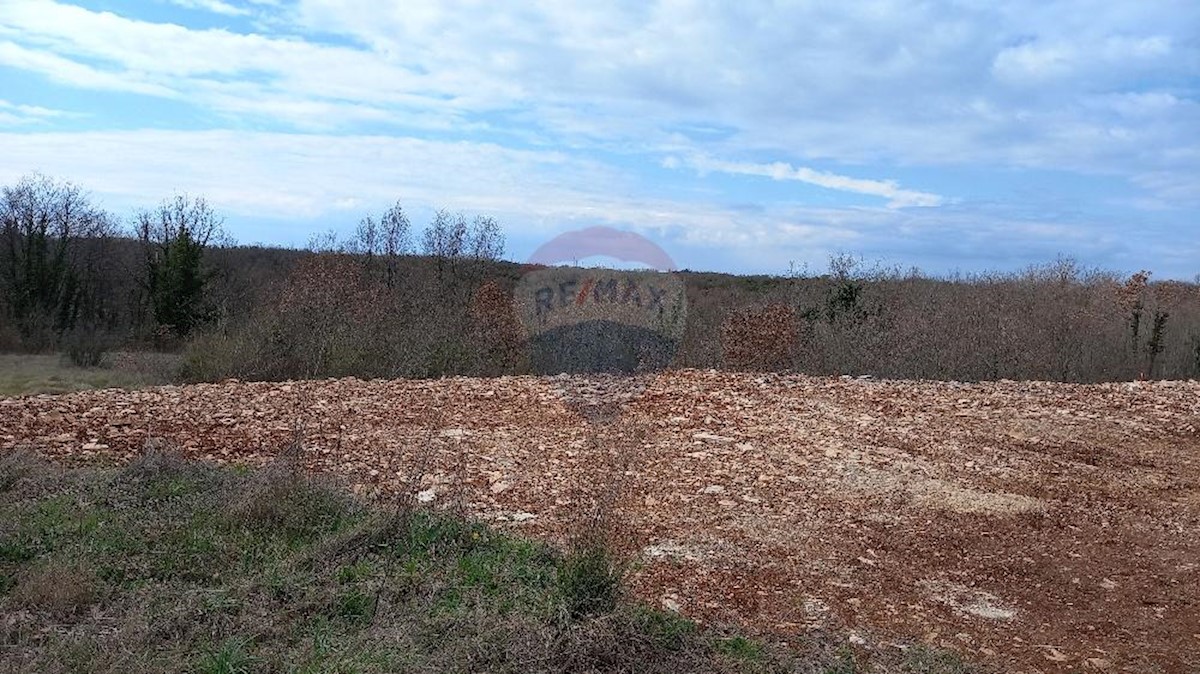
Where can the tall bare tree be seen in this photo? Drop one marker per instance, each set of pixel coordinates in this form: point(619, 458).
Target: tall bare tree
point(445, 239)
point(486, 239)
point(387, 240)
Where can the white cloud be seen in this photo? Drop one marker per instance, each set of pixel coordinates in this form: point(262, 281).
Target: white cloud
point(308, 176)
point(1171, 188)
point(890, 82)
point(1029, 63)
point(298, 175)
point(225, 71)
point(306, 179)
point(897, 197)
point(1043, 62)
point(214, 6)
point(1071, 87)
point(18, 114)
point(69, 72)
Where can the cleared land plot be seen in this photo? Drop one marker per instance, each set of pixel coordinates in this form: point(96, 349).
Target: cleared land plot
point(1029, 525)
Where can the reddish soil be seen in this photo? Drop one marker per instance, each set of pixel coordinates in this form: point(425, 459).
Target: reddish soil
point(1032, 526)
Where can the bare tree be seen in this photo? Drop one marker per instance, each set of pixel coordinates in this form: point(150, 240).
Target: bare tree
point(446, 236)
point(326, 242)
point(395, 240)
point(366, 239)
point(384, 241)
point(179, 215)
point(445, 239)
point(395, 232)
point(486, 239)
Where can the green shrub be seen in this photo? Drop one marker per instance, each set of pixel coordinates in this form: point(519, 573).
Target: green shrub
point(589, 580)
point(281, 499)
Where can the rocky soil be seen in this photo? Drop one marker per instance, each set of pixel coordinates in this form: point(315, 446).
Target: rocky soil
point(1033, 526)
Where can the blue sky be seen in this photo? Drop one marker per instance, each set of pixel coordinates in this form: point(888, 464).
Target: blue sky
point(740, 136)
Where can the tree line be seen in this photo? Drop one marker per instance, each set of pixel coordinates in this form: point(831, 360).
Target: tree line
point(391, 300)
point(74, 276)
point(66, 275)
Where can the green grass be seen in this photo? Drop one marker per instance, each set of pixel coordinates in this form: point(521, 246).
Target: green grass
point(173, 566)
point(232, 657)
point(741, 648)
point(31, 374)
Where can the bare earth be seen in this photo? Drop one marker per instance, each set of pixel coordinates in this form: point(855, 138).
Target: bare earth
point(1032, 526)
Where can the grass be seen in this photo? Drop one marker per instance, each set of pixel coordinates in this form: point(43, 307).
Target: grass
point(589, 579)
point(32, 374)
point(173, 566)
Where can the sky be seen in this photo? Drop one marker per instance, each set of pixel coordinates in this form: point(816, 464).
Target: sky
point(750, 136)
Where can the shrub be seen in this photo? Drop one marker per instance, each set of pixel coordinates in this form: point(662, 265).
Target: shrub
point(762, 339)
point(86, 347)
point(282, 499)
point(497, 331)
point(16, 466)
point(10, 337)
point(589, 579)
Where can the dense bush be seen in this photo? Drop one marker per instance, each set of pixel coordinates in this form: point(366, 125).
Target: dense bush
point(337, 315)
point(340, 315)
point(1053, 322)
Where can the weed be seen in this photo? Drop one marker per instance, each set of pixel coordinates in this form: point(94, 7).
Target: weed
point(16, 466)
point(352, 573)
point(355, 606)
point(27, 374)
point(282, 500)
point(429, 535)
point(180, 571)
point(667, 630)
point(220, 601)
point(740, 648)
point(925, 660)
point(82, 655)
point(161, 472)
point(281, 586)
point(15, 552)
point(844, 664)
point(231, 657)
point(589, 580)
point(86, 347)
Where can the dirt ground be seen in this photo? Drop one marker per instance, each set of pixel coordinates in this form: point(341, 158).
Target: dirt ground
point(1031, 526)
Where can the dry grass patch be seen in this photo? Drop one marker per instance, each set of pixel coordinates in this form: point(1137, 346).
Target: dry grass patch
point(58, 588)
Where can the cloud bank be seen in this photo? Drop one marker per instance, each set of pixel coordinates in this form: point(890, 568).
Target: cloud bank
point(880, 125)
